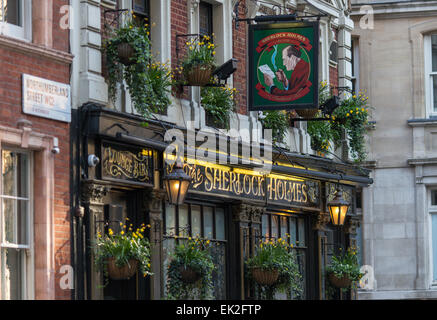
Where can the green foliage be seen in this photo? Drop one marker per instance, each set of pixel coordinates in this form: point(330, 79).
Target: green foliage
point(351, 116)
point(149, 82)
point(199, 52)
point(123, 246)
point(276, 121)
point(218, 103)
point(279, 255)
point(345, 265)
point(194, 254)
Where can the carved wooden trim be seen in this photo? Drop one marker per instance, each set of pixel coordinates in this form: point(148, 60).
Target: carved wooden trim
point(321, 219)
point(93, 192)
point(351, 225)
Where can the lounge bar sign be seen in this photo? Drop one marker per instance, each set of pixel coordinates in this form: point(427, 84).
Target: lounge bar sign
point(47, 99)
point(274, 189)
point(127, 164)
point(283, 70)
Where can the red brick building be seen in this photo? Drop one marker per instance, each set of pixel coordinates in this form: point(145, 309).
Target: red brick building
point(35, 150)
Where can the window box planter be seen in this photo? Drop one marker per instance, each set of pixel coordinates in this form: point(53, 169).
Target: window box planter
point(125, 53)
point(307, 113)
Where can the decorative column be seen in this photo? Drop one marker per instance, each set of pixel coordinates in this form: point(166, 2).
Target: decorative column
point(319, 222)
point(153, 204)
point(247, 220)
point(92, 199)
point(350, 229)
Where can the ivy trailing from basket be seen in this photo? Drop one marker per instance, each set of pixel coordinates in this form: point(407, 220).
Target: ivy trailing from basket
point(277, 121)
point(350, 117)
point(148, 81)
point(191, 254)
point(218, 103)
point(277, 255)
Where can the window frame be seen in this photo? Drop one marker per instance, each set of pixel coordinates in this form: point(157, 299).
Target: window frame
point(23, 32)
point(27, 251)
point(429, 73)
point(432, 210)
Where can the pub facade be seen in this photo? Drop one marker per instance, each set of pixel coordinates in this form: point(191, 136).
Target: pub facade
point(120, 165)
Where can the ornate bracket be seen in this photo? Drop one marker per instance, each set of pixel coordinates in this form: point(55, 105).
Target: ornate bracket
point(321, 220)
point(92, 192)
point(352, 223)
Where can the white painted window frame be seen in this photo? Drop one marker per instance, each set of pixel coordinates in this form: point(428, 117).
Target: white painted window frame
point(429, 94)
point(27, 251)
point(25, 31)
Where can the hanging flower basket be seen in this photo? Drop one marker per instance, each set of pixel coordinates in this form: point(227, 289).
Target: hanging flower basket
point(265, 277)
point(122, 273)
point(125, 53)
point(199, 75)
point(307, 113)
point(343, 282)
point(188, 275)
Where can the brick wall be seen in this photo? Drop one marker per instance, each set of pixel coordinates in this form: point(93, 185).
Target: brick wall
point(13, 63)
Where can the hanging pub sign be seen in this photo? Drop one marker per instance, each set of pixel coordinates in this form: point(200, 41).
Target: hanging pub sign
point(127, 164)
point(283, 66)
point(245, 184)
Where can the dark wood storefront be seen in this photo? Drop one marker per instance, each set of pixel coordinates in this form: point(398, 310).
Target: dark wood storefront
point(230, 205)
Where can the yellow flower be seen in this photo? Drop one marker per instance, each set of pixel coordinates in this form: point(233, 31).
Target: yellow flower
point(213, 53)
point(122, 232)
point(111, 232)
point(354, 96)
point(347, 115)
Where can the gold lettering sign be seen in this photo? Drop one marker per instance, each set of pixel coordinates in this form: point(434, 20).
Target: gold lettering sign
point(240, 183)
point(128, 165)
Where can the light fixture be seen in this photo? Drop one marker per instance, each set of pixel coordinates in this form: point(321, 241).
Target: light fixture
point(338, 208)
point(176, 184)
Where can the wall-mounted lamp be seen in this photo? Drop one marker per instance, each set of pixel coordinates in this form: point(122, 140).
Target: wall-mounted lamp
point(176, 184)
point(338, 208)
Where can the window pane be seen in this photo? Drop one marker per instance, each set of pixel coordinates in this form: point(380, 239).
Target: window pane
point(12, 272)
point(265, 226)
point(140, 6)
point(292, 231)
point(434, 52)
point(205, 18)
point(16, 221)
point(170, 220)
point(301, 228)
point(434, 244)
point(183, 221)
point(195, 221)
point(208, 222)
point(274, 226)
point(434, 91)
point(10, 11)
point(434, 197)
point(220, 224)
point(284, 228)
point(14, 170)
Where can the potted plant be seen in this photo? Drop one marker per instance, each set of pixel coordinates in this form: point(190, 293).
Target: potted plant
point(199, 62)
point(218, 103)
point(190, 270)
point(274, 267)
point(276, 121)
point(120, 255)
point(129, 56)
point(344, 269)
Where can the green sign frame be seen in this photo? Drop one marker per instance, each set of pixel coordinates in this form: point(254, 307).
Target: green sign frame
point(283, 66)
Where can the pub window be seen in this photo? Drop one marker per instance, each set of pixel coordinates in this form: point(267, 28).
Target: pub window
point(292, 229)
point(196, 220)
point(15, 18)
point(15, 227)
point(430, 46)
point(205, 19)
